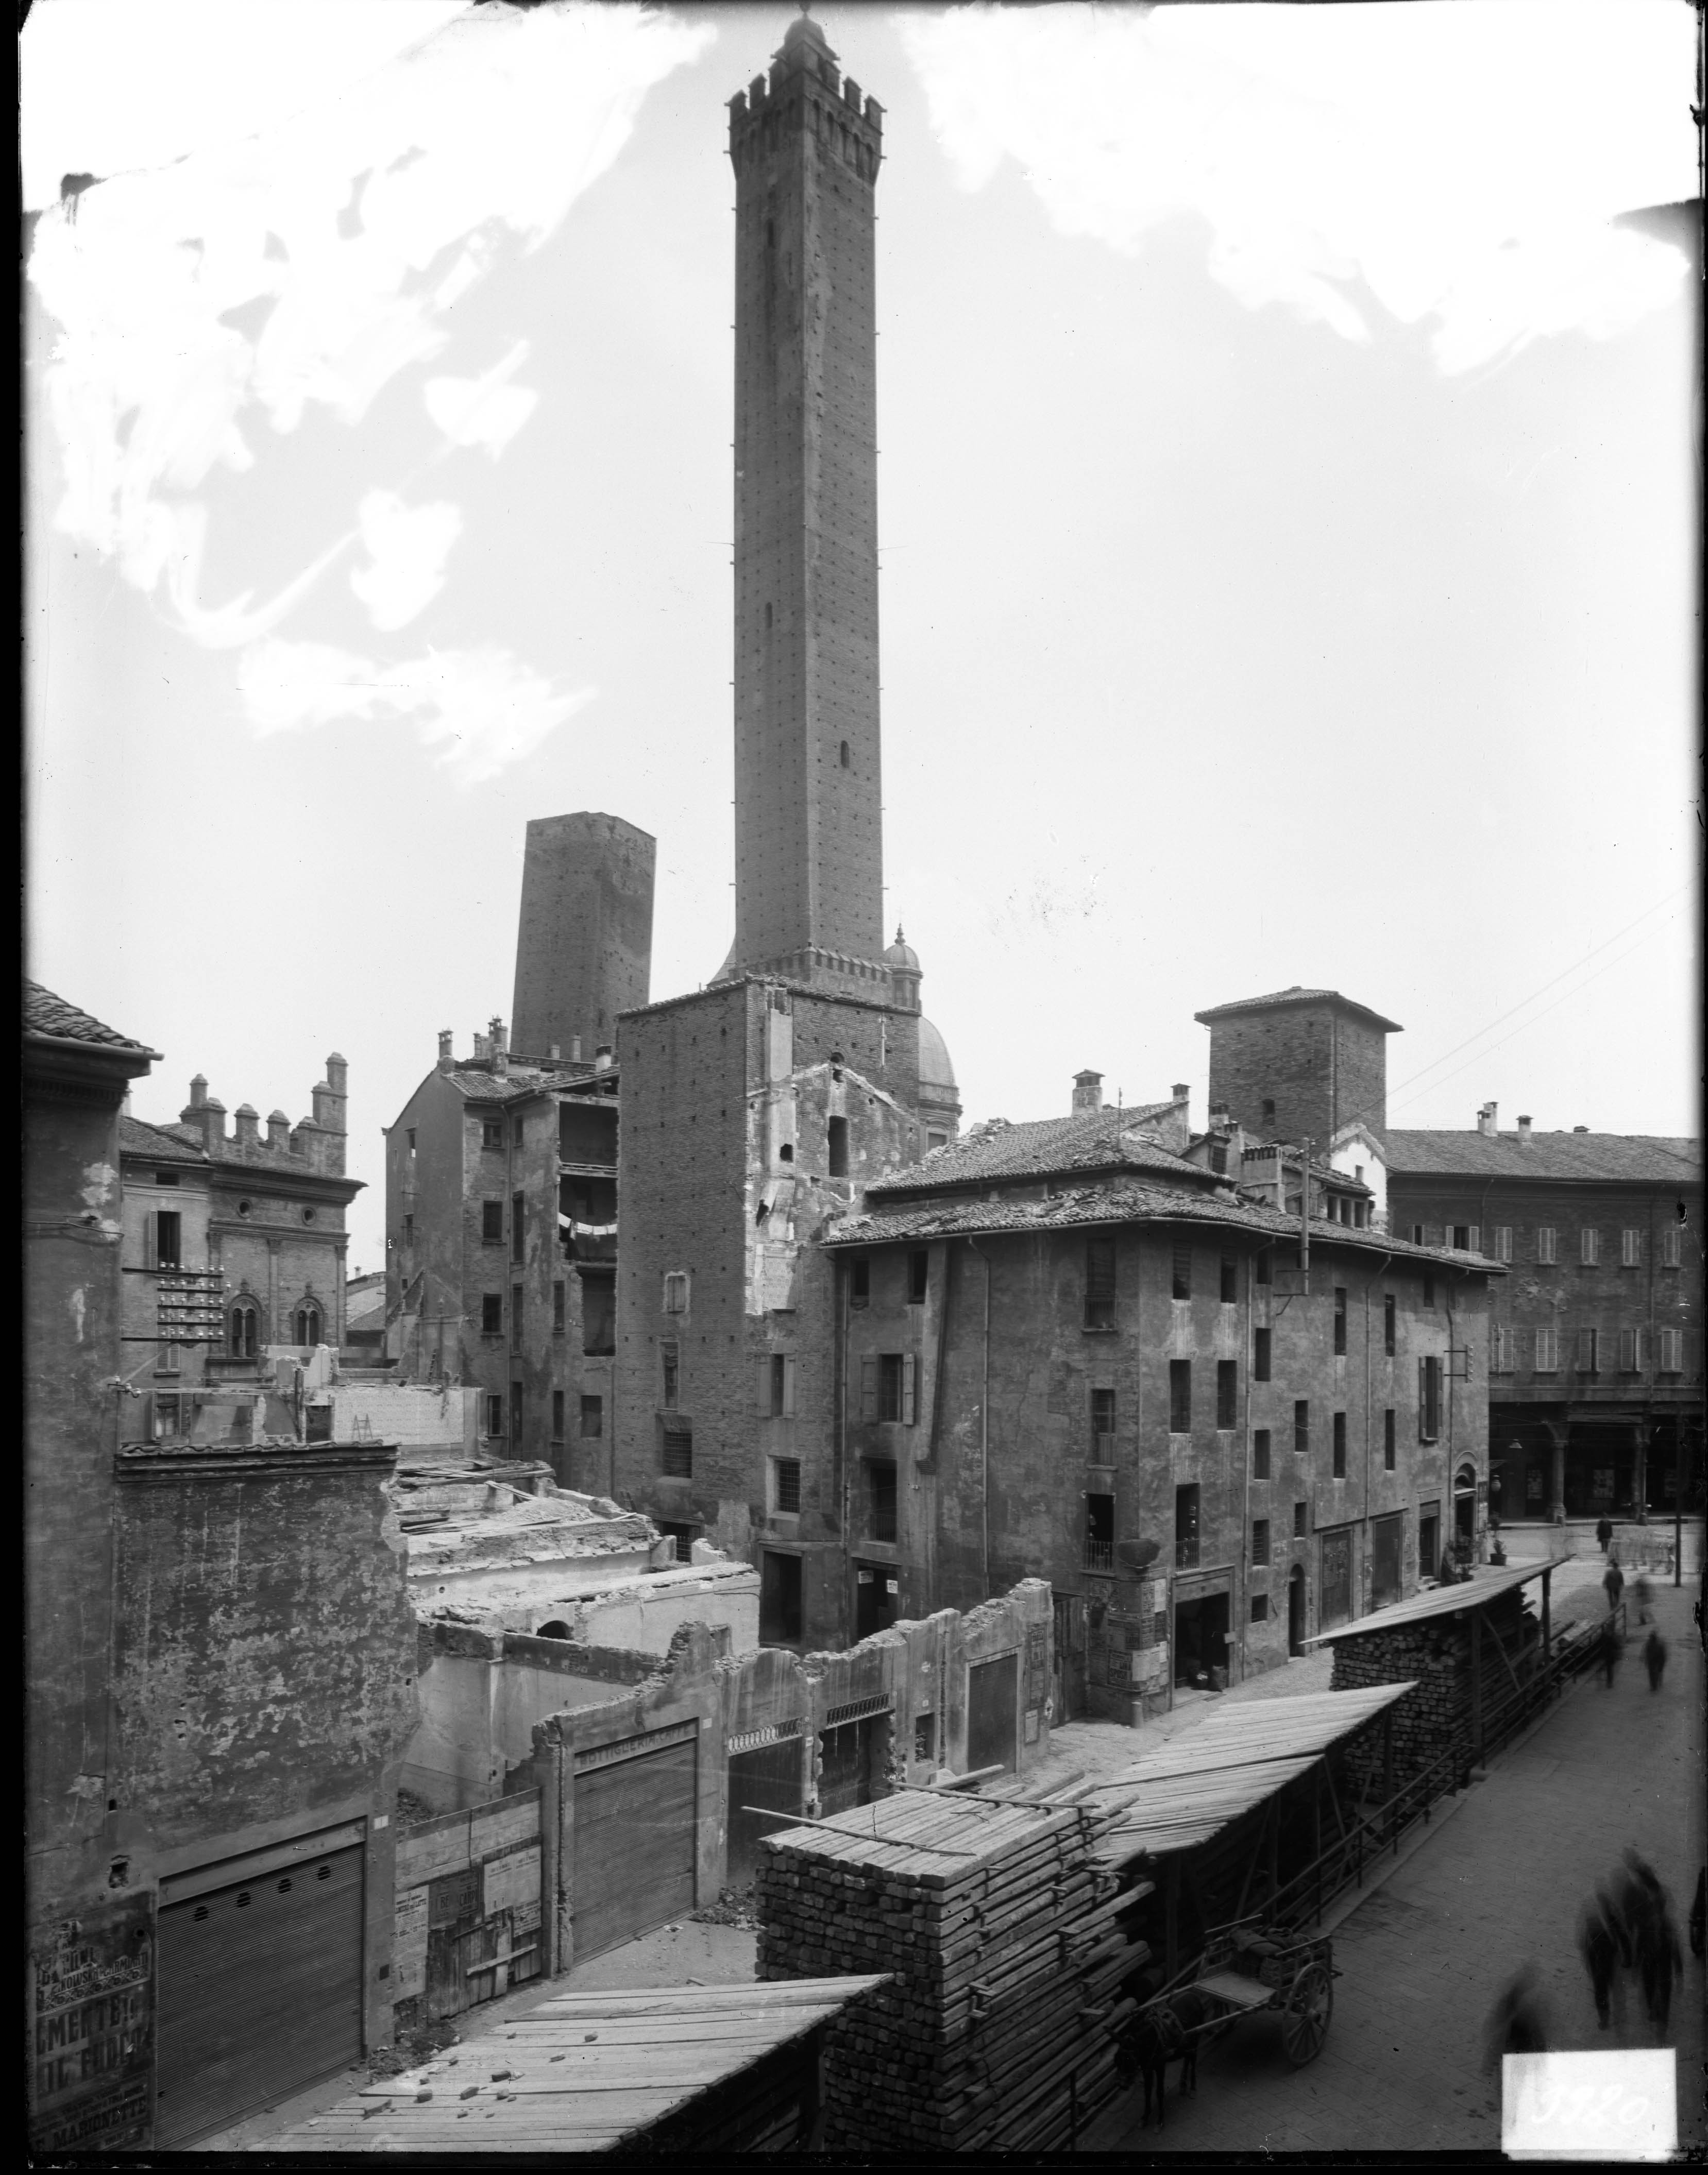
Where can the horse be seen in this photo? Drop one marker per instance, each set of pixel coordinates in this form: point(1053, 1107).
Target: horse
point(1162, 2033)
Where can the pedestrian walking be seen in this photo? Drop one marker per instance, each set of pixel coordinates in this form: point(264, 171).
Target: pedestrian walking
point(1598, 1945)
point(1604, 1531)
point(1655, 1658)
point(1613, 1583)
point(1643, 1595)
point(1518, 2022)
point(1660, 1961)
point(1699, 1914)
point(1609, 1650)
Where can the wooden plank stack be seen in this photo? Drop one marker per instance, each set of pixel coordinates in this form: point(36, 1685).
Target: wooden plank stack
point(1002, 1933)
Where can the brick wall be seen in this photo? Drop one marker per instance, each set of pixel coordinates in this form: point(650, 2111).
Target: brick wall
point(584, 938)
point(1320, 1069)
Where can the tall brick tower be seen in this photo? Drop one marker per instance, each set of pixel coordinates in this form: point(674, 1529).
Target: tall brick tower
point(584, 936)
point(809, 855)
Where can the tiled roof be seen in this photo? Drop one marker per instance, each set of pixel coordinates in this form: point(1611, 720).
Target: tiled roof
point(1087, 1140)
point(1130, 1202)
point(1296, 995)
point(1609, 1158)
point(46, 1014)
point(138, 1138)
point(484, 1087)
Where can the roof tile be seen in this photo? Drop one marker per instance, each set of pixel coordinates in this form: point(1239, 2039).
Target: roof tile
point(46, 1014)
point(1086, 1140)
point(1607, 1157)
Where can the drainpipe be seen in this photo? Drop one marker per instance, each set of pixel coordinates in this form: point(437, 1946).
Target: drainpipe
point(1370, 1283)
point(1245, 1488)
point(985, 1427)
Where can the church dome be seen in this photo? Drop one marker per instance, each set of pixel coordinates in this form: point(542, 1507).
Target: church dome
point(935, 1069)
point(902, 955)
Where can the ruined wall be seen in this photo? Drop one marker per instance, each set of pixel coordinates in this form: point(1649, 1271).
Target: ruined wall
point(911, 1679)
point(265, 1662)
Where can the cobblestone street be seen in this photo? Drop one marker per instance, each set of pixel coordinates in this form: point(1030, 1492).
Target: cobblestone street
point(1498, 1885)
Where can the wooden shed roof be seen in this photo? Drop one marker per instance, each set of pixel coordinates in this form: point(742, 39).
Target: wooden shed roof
point(1484, 1584)
point(579, 2074)
point(1192, 1788)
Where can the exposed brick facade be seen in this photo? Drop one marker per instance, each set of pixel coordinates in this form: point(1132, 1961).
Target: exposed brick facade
point(805, 148)
point(584, 936)
point(475, 1138)
point(729, 1098)
point(1020, 1413)
point(1298, 1067)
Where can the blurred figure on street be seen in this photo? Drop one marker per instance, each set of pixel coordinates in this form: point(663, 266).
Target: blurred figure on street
point(1643, 1594)
point(1604, 1531)
point(1660, 1961)
point(1609, 1648)
point(1598, 1945)
point(1699, 1914)
point(1613, 1583)
point(1518, 2022)
point(1655, 1658)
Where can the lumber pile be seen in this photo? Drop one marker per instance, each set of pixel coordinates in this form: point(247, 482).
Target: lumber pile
point(1005, 1939)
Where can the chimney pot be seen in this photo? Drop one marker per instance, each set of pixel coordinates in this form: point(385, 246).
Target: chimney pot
point(1580, 1129)
point(1181, 1090)
point(575, 1049)
point(1524, 1128)
point(446, 1059)
point(1087, 1091)
point(602, 1058)
point(199, 1090)
point(555, 1053)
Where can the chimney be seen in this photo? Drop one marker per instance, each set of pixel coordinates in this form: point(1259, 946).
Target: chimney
point(575, 1049)
point(1580, 1129)
point(1087, 1091)
point(553, 1053)
point(330, 1099)
point(447, 1062)
point(602, 1058)
point(279, 1131)
point(210, 1115)
point(1220, 1117)
point(248, 1126)
point(198, 1095)
point(483, 1050)
point(1485, 1120)
point(1524, 1129)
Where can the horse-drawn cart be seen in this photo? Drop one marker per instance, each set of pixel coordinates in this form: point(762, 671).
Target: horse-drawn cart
point(1242, 1970)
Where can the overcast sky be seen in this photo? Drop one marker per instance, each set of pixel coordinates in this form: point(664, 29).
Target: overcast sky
point(1287, 486)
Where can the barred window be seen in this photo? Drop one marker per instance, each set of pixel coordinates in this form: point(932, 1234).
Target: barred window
point(1301, 1427)
point(785, 1485)
point(1260, 1543)
point(677, 1449)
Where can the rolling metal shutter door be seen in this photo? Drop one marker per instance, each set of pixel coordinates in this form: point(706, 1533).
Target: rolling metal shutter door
point(260, 1992)
point(634, 1845)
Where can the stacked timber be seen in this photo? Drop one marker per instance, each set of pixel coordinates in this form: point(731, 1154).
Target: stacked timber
point(1004, 1938)
point(1434, 1716)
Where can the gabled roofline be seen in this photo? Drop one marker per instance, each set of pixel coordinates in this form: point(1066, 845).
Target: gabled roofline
point(1292, 1000)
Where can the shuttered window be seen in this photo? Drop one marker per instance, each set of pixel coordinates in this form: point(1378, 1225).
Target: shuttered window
point(1100, 1283)
point(1544, 1242)
point(1630, 1250)
point(1671, 1352)
point(1588, 1351)
point(1428, 1399)
point(1672, 1250)
point(1632, 1355)
point(1103, 1427)
point(677, 1449)
point(1503, 1242)
point(887, 1387)
point(1501, 1352)
point(1547, 1351)
point(1259, 1355)
point(1589, 1242)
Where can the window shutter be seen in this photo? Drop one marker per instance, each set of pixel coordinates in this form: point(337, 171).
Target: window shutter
point(869, 1387)
point(1586, 1351)
point(762, 1385)
point(1477, 1238)
point(1670, 1250)
point(1628, 1352)
point(148, 1256)
point(1669, 1352)
point(1423, 1400)
point(788, 1389)
point(910, 1371)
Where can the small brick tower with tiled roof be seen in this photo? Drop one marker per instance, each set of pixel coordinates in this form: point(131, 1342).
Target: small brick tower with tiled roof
point(1299, 1064)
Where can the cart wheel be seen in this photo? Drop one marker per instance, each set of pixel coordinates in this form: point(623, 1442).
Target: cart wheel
point(1304, 2014)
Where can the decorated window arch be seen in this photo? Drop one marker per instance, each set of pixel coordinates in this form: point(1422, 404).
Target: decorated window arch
point(243, 1326)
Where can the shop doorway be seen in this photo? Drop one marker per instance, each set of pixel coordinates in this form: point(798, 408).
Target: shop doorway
point(1201, 1641)
point(1386, 1537)
point(1295, 1611)
point(1334, 1590)
point(993, 1703)
point(1464, 1512)
point(874, 1598)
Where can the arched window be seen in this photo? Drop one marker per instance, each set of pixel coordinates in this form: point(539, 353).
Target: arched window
point(245, 1326)
point(308, 1324)
point(556, 1629)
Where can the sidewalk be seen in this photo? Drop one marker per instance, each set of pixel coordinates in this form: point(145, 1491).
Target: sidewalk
point(1498, 1886)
